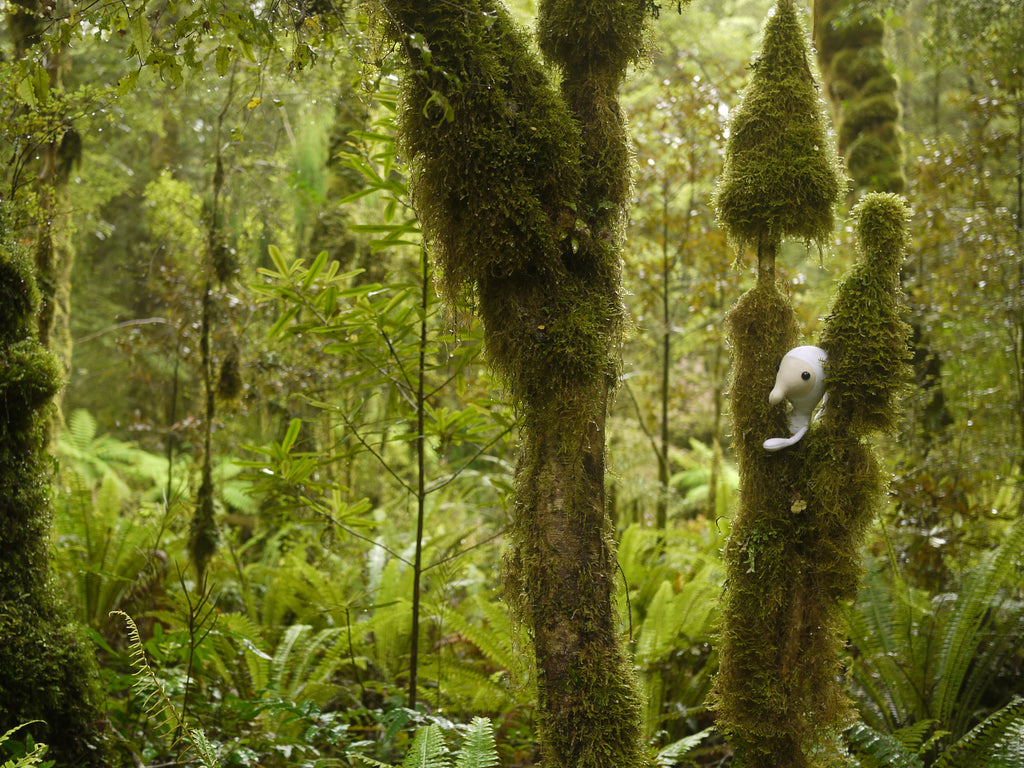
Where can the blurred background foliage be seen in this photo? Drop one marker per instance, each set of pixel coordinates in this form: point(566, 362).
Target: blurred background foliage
point(238, 182)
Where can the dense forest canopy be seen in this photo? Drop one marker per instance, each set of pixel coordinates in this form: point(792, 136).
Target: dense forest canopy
point(312, 371)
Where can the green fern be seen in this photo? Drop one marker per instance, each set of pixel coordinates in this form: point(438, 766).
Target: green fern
point(156, 702)
point(30, 758)
point(935, 660)
point(994, 743)
point(429, 750)
point(478, 747)
point(877, 749)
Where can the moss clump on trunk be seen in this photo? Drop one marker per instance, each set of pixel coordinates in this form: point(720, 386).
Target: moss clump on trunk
point(521, 184)
point(47, 669)
point(781, 176)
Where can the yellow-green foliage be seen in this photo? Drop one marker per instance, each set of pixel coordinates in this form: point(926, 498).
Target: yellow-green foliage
point(860, 82)
point(781, 176)
point(793, 556)
point(47, 670)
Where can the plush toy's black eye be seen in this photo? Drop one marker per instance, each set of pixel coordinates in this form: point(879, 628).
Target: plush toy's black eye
point(805, 375)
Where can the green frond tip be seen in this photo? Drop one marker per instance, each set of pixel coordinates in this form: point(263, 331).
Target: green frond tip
point(478, 748)
point(782, 176)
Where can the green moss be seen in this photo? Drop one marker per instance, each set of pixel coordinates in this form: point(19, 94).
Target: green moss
point(792, 558)
point(781, 176)
point(865, 336)
point(863, 90)
point(47, 670)
point(593, 36)
point(521, 184)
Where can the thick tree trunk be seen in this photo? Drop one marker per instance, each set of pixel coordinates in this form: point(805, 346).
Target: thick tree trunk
point(47, 667)
point(521, 185)
point(562, 567)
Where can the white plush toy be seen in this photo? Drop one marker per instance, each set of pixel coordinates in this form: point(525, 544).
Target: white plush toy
point(801, 380)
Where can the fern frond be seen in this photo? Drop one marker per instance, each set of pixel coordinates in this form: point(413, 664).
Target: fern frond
point(478, 747)
point(428, 749)
point(978, 747)
point(155, 701)
point(881, 750)
point(208, 757)
point(677, 750)
point(964, 633)
point(660, 628)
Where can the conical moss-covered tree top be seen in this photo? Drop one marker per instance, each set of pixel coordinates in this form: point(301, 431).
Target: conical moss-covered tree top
point(782, 176)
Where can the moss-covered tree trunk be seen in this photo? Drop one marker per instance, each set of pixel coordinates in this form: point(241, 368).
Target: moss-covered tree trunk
point(862, 90)
point(792, 558)
point(521, 184)
point(773, 694)
point(54, 250)
point(47, 668)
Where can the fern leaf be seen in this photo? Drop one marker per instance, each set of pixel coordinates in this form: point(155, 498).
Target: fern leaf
point(980, 743)
point(478, 747)
point(428, 749)
point(155, 701)
point(677, 750)
point(881, 750)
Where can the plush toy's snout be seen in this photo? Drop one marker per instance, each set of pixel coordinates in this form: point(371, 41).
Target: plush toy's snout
point(801, 381)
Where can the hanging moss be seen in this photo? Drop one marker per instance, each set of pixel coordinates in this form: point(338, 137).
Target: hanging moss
point(781, 176)
point(47, 669)
point(863, 90)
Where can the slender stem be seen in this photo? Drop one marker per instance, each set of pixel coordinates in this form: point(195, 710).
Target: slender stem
point(661, 520)
point(421, 479)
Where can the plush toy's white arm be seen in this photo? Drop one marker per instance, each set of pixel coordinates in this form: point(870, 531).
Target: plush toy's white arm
point(778, 443)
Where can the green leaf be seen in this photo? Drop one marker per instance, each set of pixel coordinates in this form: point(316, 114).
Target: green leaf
point(478, 748)
point(140, 35)
point(223, 60)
